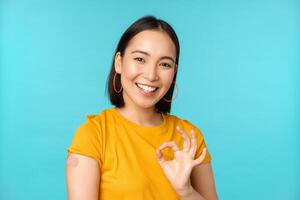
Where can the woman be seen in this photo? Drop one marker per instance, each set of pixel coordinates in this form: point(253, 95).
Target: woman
point(137, 150)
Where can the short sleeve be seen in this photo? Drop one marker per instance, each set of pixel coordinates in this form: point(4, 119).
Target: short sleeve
point(201, 145)
point(86, 140)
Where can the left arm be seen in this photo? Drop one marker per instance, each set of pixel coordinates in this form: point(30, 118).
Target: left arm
point(202, 182)
point(187, 175)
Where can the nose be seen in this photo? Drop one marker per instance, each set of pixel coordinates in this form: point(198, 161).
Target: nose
point(151, 73)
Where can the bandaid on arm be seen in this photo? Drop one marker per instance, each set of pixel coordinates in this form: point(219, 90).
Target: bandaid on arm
point(72, 160)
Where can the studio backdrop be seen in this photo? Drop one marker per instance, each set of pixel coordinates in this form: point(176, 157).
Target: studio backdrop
point(238, 81)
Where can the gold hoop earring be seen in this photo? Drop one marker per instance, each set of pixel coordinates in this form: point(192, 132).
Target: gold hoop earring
point(166, 100)
point(114, 83)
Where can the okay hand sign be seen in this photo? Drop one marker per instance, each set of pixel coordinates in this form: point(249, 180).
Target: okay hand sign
point(178, 170)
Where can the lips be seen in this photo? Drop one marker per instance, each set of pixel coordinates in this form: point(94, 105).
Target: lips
point(146, 88)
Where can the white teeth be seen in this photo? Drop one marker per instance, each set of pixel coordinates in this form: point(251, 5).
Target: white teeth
point(146, 88)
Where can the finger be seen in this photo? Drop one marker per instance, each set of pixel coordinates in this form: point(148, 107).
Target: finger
point(171, 144)
point(193, 143)
point(186, 139)
point(201, 157)
point(159, 156)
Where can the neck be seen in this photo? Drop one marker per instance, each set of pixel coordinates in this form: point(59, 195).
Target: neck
point(140, 115)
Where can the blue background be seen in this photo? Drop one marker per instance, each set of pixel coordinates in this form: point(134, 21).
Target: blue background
point(239, 82)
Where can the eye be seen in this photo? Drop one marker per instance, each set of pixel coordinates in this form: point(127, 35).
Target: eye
point(139, 59)
point(166, 65)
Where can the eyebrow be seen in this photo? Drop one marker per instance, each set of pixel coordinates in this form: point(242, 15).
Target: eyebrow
point(146, 53)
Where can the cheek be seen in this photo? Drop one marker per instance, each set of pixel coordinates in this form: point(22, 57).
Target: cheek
point(130, 71)
point(167, 79)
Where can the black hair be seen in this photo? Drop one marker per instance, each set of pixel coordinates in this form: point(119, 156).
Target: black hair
point(148, 22)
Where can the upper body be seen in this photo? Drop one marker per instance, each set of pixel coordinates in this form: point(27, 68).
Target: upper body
point(136, 150)
point(125, 154)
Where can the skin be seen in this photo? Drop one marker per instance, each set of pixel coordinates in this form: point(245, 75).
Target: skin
point(72, 161)
point(184, 173)
point(83, 177)
point(179, 169)
point(148, 59)
point(189, 179)
point(151, 69)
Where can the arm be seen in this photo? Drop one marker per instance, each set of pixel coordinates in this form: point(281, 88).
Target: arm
point(202, 182)
point(83, 177)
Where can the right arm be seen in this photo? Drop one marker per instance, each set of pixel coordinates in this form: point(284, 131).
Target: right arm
point(83, 177)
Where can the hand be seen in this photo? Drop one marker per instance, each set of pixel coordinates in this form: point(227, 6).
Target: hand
point(178, 170)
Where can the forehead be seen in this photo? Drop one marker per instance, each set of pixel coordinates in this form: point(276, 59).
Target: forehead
point(154, 42)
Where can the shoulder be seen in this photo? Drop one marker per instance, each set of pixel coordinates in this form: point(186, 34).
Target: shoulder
point(91, 131)
point(95, 120)
point(186, 125)
point(91, 124)
point(181, 121)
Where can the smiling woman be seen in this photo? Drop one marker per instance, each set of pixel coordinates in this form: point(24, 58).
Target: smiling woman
point(148, 68)
point(137, 149)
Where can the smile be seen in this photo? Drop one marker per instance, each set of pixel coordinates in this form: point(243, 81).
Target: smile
point(146, 89)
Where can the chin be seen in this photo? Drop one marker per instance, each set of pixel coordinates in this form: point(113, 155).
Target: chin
point(146, 105)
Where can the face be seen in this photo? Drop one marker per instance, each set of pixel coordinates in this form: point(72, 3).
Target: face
point(147, 68)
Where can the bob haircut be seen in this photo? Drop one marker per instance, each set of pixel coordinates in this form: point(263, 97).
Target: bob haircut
point(148, 22)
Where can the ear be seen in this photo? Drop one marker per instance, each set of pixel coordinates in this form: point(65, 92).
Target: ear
point(118, 62)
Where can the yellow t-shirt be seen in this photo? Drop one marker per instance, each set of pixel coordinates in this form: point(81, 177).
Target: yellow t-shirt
point(126, 154)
